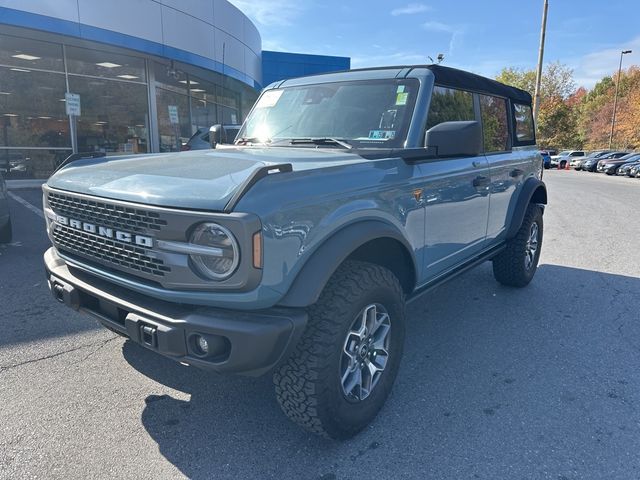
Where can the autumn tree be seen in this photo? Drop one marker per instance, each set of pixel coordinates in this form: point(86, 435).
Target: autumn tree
point(557, 117)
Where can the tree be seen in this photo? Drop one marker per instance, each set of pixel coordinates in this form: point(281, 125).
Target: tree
point(557, 124)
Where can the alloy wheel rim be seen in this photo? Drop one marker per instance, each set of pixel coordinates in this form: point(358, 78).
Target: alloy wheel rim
point(365, 352)
point(531, 247)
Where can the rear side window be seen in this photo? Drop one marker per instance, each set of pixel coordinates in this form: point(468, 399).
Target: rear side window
point(449, 105)
point(495, 125)
point(525, 133)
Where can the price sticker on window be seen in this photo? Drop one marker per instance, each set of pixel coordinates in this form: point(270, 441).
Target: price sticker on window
point(269, 98)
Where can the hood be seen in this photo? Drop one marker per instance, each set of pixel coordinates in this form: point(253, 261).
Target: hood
point(200, 180)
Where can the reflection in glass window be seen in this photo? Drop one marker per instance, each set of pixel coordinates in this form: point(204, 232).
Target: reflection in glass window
point(524, 123)
point(172, 135)
point(114, 115)
point(98, 63)
point(24, 53)
point(30, 163)
point(32, 112)
point(495, 126)
point(449, 105)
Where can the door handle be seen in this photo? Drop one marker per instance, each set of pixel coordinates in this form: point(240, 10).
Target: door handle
point(516, 172)
point(481, 181)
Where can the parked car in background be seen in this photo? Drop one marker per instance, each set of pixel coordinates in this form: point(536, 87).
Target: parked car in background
point(635, 171)
point(612, 156)
point(610, 167)
point(577, 162)
point(625, 170)
point(565, 156)
point(5, 218)
point(200, 139)
point(546, 159)
point(591, 164)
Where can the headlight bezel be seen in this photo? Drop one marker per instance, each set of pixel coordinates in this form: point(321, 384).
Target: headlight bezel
point(198, 261)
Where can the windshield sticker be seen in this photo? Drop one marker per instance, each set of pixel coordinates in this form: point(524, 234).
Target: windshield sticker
point(401, 98)
point(382, 134)
point(400, 89)
point(269, 99)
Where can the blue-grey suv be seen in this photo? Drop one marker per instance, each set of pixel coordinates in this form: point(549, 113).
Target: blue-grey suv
point(295, 250)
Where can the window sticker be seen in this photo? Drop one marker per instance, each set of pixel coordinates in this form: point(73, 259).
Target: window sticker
point(382, 134)
point(401, 98)
point(269, 99)
point(400, 89)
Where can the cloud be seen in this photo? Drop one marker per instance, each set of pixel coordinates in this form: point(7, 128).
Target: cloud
point(269, 13)
point(591, 68)
point(456, 32)
point(411, 9)
point(388, 58)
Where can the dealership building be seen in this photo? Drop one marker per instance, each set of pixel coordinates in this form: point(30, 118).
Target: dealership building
point(148, 73)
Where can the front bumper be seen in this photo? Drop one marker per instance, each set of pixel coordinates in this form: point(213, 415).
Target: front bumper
point(244, 342)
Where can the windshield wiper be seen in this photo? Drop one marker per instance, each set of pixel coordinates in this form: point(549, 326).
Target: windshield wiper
point(321, 141)
point(247, 140)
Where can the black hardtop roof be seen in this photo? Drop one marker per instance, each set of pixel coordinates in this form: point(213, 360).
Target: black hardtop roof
point(445, 76)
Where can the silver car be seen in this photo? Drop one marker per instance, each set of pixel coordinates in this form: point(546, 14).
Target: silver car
point(5, 219)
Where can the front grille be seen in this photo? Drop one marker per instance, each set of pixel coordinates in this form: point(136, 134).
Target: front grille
point(115, 253)
point(105, 213)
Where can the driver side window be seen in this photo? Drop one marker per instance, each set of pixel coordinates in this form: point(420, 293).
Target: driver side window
point(449, 105)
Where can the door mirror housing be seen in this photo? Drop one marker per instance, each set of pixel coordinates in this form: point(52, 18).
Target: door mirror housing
point(455, 139)
point(216, 135)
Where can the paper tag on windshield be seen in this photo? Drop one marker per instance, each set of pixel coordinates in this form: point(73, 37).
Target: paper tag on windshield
point(401, 98)
point(269, 98)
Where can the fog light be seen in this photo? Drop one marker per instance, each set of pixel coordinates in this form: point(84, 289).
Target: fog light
point(202, 344)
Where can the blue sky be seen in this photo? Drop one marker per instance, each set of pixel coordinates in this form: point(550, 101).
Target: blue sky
point(481, 36)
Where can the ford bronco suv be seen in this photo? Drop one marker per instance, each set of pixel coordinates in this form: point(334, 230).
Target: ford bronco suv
point(295, 250)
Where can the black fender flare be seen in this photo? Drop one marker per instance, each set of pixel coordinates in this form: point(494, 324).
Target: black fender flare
point(323, 262)
point(533, 191)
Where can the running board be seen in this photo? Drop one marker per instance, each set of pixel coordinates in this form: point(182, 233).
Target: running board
point(455, 271)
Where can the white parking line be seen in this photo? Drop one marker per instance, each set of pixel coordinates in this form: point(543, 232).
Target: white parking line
point(22, 201)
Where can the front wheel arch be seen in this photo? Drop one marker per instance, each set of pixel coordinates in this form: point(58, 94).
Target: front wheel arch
point(370, 241)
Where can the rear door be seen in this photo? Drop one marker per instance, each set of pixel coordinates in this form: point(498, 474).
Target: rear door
point(507, 166)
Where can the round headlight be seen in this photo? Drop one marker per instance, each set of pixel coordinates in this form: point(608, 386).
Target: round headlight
point(224, 257)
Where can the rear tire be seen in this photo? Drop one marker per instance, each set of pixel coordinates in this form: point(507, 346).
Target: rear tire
point(355, 328)
point(516, 265)
point(6, 232)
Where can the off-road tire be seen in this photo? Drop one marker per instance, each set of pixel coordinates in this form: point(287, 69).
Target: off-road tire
point(509, 265)
point(6, 232)
point(308, 385)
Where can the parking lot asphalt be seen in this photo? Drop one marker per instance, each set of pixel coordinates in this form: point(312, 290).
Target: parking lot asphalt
point(496, 383)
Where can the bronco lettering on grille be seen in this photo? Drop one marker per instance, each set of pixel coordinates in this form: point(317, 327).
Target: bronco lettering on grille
point(124, 237)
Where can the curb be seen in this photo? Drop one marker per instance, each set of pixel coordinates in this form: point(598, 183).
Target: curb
point(24, 184)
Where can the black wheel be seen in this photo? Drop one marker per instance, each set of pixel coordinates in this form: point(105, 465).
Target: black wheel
point(6, 232)
point(345, 364)
point(517, 264)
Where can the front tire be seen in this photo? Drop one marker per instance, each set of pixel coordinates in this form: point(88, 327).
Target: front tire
point(344, 366)
point(516, 265)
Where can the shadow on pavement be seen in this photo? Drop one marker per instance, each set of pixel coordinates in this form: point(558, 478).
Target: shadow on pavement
point(493, 380)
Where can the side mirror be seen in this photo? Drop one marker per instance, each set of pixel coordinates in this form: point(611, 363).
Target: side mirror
point(216, 135)
point(455, 139)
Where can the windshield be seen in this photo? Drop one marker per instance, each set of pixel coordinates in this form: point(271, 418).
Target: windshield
point(564, 153)
point(364, 114)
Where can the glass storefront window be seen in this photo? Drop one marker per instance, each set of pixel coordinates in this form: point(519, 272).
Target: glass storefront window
point(25, 54)
point(30, 163)
point(98, 63)
point(114, 115)
point(32, 112)
point(172, 135)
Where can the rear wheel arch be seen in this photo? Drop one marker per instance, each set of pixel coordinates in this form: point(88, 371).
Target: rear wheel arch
point(372, 241)
point(533, 191)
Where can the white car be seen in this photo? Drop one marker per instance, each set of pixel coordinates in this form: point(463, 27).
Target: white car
point(566, 155)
